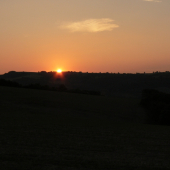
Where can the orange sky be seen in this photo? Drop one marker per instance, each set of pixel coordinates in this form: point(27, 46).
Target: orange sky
point(88, 36)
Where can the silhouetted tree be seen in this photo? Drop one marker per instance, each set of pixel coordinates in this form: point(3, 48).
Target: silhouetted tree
point(62, 87)
point(158, 106)
point(9, 83)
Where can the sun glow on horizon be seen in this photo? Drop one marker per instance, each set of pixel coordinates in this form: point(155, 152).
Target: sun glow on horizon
point(59, 71)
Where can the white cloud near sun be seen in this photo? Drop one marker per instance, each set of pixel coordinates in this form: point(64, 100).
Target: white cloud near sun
point(91, 25)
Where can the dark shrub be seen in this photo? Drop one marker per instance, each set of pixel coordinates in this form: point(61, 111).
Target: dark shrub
point(62, 87)
point(9, 83)
point(157, 105)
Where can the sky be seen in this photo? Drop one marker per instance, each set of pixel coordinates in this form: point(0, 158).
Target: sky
point(125, 36)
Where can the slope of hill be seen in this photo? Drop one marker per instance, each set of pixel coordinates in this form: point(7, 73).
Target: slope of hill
point(107, 83)
point(52, 130)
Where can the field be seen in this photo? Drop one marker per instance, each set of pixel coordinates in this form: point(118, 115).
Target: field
point(50, 130)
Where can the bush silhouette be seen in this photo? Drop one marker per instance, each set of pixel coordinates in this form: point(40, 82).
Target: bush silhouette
point(62, 87)
point(9, 83)
point(158, 106)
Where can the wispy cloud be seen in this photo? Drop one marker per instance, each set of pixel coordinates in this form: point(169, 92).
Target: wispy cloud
point(90, 25)
point(152, 0)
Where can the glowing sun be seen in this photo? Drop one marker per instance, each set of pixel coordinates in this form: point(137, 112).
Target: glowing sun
point(59, 71)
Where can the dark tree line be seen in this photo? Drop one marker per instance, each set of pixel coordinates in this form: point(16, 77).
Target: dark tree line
point(9, 83)
point(60, 87)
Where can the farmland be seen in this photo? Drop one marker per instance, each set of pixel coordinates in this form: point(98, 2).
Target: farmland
point(53, 130)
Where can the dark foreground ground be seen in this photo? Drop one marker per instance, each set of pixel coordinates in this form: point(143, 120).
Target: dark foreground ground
point(49, 130)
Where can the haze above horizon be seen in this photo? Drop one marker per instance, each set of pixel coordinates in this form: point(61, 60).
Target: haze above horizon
point(89, 36)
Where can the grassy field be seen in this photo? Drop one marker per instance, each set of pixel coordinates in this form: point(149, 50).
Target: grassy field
point(50, 130)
